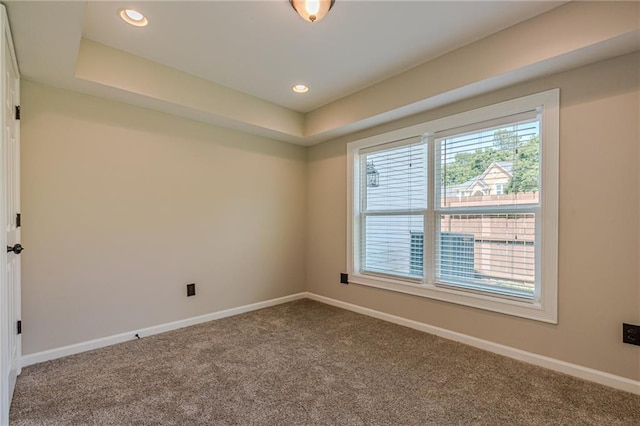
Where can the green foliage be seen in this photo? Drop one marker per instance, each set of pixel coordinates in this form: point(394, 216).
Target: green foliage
point(508, 146)
point(468, 165)
point(526, 168)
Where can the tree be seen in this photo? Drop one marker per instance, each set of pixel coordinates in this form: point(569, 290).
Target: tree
point(526, 167)
point(468, 165)
point(507, 146)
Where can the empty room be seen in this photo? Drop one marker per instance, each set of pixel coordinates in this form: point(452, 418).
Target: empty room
point(317, 212)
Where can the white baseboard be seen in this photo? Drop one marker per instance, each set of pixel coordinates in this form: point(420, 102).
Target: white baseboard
point(50, 354)
point(590, 374)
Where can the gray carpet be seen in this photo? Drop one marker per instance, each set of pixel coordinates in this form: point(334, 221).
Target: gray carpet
point(306, 363)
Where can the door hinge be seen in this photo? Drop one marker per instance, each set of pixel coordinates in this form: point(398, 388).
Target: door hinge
point(18, 220)
point(19, 327)
point(17, 112)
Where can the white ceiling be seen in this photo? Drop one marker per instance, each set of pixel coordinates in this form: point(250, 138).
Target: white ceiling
point(232, 63)
point(262, 48)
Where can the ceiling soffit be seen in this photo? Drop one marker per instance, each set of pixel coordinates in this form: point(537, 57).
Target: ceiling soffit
point(569, 36)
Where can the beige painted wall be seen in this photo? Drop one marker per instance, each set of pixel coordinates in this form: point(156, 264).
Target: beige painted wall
point(123, 206)
point(599, 286)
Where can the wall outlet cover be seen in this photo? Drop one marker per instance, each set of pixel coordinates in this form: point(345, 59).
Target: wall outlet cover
point(191, 289)
point(631, 334)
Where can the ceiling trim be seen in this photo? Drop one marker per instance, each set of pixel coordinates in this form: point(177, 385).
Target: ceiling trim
point(507, 57)
point(141, 77)
point(572, 35)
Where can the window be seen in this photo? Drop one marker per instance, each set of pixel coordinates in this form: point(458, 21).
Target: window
point(462, 209)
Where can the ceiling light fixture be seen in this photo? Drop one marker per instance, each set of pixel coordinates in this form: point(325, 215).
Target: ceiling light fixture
point(133, 17)
point(300, 88)
point(312, 10)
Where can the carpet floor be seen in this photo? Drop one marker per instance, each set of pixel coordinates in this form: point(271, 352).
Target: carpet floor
point(306, 363)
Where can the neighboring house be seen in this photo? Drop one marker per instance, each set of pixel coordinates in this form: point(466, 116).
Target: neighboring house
point(493, 181)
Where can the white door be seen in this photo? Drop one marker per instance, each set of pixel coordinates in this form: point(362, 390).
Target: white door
point(10, 340)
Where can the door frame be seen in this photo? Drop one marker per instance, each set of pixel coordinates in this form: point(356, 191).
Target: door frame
point(7, 325)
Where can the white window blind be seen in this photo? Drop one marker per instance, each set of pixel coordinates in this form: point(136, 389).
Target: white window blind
point(488, 252)
point(393, 189)
point(461, 209)
point(486, 238)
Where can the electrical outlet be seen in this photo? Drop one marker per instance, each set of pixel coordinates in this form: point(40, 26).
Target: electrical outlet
point(631, 334)
point(344, 278)
point(191, 289)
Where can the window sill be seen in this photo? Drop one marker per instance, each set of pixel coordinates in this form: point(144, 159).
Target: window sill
point(524, 309)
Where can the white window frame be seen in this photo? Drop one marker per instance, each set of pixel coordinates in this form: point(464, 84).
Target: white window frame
point(544, 306)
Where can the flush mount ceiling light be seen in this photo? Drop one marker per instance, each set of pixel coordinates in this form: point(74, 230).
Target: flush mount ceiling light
point(133, 17)
point(300, 88)
point(312, 10)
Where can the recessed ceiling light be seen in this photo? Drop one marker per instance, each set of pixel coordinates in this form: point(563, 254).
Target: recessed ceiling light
point(300, 88)
point(133, 17)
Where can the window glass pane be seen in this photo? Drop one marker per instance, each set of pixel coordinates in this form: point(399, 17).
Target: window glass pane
point(394, 244)
point(494, 166)
point(396, 178)
point(488, 252)
point(476, 239)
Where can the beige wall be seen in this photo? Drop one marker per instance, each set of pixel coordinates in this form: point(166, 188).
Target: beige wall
point(599, 285)
point(123, 206)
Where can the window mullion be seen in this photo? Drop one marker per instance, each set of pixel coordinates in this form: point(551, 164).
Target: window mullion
point(446, 219)
point(525, 208)
point(408, 212)
point(429, 226)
